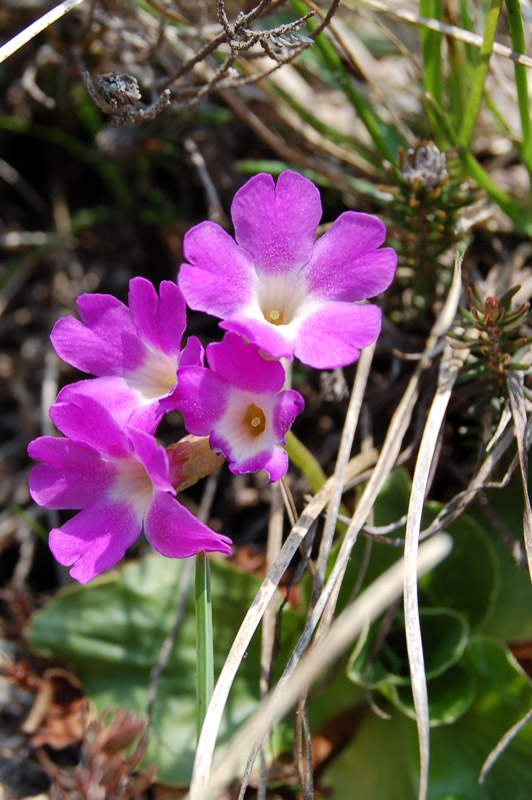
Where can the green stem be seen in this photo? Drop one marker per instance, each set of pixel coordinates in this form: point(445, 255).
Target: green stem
point(480, 74)
point(515, 23)
point(307, 463)
point(204, 645)
point(309, 466)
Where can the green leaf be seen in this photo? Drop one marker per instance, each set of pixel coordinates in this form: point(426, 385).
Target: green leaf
point(511, 617)
point(468, 581)
point(112, 630)
point(378, 762)
point(444, 639)
point(381, 760)
point(450, 696)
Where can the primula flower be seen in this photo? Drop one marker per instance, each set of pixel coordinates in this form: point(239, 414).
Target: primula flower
point(119, 477)
point(238, 402)
point(135, 351)
point(278, 287)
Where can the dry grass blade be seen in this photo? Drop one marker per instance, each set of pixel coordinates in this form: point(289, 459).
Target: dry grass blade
point(207, 740)
point(448, 373)
point(386, 462)
point(343, 632)
point(338, 481)
point(518, 406)
point(501, 746)
point(344, 450)
point(449, 30)
point(478, 482)
point(275, 543)
point(414, 643)
point(36, 27)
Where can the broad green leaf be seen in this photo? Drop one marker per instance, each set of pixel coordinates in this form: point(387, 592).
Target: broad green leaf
point(444, 639)
point(111, 632)
point(511, 617)
point(450, 696)
point(377, 764)
point(468, 581)
point(382, 759)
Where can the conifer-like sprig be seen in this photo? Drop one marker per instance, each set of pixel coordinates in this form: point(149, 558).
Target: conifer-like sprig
point(490, 329)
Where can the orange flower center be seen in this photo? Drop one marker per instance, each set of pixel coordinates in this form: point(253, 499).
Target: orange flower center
point(255, 420)
point(275, 316)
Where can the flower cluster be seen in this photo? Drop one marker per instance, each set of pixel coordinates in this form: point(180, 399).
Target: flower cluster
point(279, 292)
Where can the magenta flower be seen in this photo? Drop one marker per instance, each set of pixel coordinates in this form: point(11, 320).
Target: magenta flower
point(119, 478)
point(281, 289)
point(135, 351)
point(240, 405)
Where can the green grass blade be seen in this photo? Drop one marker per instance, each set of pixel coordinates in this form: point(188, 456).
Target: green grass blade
point(480, 74)
point(327, 130)
point(519, 214)
point(467, 24)
point(337, 71)
point(204, 641)
point(431, 47)
point(517, 34)
point(36, 526)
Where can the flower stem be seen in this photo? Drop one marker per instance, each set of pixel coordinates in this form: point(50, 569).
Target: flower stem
point(309, 466)
point(204, 647)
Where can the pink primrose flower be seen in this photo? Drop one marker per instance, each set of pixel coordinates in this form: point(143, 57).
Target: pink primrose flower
point(135, 351)
point(119, 477)
point(278, 287)
point(240, 404)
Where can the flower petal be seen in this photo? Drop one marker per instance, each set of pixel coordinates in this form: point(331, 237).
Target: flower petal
point(346, 265)
point(154, 458)
point(219, 277)
point(124, 403)
point(71, 476)
point(277, 224)
point(288, 405)
point(95, 539)
point(160, 322)
point(201, 396)
point(268, 337)
point(193, 353)
point(85, 420)
point(274, 461)
point(106, 342)
point(333, 335)
point(243, 365)
point(176, 533)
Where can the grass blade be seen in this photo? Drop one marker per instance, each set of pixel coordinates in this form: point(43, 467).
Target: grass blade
point(517, 34)
point(343, 632)
point(431, 46)
point(204, 645)
point(480, 75)
point(520, 216)
point(337, 70)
